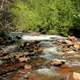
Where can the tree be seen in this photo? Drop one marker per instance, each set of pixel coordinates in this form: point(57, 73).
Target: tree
point(5, 16)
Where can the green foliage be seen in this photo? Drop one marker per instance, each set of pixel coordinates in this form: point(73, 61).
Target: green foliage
point(24, 18)
point(49, 16)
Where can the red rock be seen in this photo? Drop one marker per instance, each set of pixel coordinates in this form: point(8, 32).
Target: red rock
point(28, 67)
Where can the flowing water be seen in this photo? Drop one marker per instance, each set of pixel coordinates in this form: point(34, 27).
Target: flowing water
point(43, 71)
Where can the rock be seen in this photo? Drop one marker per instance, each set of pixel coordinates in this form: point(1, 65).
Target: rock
point(72, 38)
point(57, 62)
point(10, 48)
point(75, 76)
point(61, 53)
point(69, 42)
point(71, 52)
point(60, 40)
point(24, 59)
point(77, 45)
point(28, 67)
point(74, 56)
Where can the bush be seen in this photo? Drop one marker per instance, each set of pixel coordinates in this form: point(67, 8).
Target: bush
point(46, 16)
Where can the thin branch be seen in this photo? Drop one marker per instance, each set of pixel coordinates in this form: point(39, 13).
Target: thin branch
point(1, 7)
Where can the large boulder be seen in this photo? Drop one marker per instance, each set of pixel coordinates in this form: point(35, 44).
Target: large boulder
point(76, 76)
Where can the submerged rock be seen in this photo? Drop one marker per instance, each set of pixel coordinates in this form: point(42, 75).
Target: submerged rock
point(1, 62)
point(46, 71)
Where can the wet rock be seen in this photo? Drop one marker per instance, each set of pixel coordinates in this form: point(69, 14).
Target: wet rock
point(24, 59)
point(57, 62)
point(72, 41)
point(38, 62)
point(6, 68)
point(46, 44)
point(20, 54)
point(9, 49)
point(32, 47)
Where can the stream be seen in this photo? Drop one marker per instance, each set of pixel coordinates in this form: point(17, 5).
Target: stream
point(42, 70)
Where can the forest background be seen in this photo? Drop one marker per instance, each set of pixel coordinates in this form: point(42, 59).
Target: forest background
point(60, 17)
